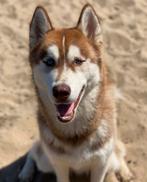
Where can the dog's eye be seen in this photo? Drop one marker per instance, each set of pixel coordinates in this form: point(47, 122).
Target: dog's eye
point(78, 61)
point(49, 61)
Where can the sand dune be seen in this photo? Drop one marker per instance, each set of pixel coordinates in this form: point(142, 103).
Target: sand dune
point(124, 26)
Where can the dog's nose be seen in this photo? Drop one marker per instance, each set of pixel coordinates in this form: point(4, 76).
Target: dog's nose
point(61, 92)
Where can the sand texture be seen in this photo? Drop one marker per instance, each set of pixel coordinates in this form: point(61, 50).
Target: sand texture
point(124, 25)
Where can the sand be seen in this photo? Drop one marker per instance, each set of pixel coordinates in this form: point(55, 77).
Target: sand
point(124, 25)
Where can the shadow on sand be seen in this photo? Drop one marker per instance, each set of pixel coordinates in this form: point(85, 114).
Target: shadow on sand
point(10, 174)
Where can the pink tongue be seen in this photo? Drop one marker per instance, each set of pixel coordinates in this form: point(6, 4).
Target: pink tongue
point(65, 109)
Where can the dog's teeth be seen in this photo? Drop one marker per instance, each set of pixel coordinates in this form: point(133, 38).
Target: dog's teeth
point(66, 117)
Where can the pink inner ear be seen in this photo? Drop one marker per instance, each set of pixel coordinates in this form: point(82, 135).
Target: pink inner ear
point(91, 26)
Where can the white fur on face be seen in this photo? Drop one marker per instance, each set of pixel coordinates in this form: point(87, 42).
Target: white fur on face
point(74, 52)
point(53, 51)
point(75, 80)
point(44, 78)
point(85, 75)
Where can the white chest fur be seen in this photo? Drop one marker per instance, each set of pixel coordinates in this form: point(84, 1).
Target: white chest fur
point(80, 158)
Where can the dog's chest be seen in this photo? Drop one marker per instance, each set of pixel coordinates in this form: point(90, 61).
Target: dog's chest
point(81, 158)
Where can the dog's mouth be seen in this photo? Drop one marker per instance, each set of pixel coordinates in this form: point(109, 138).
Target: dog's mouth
point(66, 111)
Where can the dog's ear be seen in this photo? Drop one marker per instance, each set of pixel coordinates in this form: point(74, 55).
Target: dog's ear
point(89, 23)
point(40, 24)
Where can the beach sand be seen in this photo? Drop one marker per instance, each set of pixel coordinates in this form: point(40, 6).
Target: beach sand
point(124, 25)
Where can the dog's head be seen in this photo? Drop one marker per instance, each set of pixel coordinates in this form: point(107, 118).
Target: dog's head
point(66, 63)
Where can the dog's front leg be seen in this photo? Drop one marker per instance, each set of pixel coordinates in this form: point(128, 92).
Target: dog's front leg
point(98, 174)
point(62, 173)
point(35, 157)
point(98, 171)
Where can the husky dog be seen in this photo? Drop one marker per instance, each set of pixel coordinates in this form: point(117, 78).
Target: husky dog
point(77, 113)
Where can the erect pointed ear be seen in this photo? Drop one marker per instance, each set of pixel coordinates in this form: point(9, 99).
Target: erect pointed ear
point(89, 23)
point(40, 24)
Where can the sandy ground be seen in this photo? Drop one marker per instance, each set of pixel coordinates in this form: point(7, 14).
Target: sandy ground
point(124, 26)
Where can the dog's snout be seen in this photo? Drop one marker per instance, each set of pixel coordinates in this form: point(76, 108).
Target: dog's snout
point(61, 92)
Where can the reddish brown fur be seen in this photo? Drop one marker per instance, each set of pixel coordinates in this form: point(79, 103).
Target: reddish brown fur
point(72, 37)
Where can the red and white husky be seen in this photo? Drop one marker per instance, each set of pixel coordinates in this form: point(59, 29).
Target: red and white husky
point(77, 114)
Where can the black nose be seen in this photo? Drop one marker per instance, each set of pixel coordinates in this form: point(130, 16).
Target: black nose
point(61, 92)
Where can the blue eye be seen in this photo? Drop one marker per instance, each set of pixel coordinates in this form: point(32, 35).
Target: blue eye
point(49, 61)
point(78, 61)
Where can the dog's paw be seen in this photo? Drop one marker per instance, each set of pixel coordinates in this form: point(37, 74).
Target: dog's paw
point(111, 177)
point(125, 176)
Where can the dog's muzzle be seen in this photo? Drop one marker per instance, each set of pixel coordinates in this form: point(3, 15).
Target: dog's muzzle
point(66, 110)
